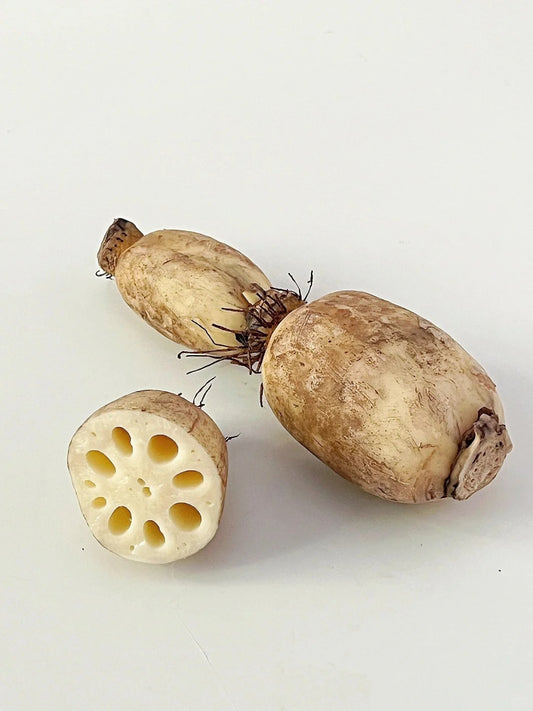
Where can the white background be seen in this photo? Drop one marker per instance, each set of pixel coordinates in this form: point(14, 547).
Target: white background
point(388, 145)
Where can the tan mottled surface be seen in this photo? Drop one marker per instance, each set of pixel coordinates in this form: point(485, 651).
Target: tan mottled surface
point(172, 277)
point(379, 394)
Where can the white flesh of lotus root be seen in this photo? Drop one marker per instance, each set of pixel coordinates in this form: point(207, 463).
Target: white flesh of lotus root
point(150, 474)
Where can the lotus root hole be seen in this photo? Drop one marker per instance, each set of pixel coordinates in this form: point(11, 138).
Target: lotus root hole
point(119, 521)
point(185, 516)
point(100, 463)
point(188, 479)
point(162, 449)
point(152, 534)
point(122, 440)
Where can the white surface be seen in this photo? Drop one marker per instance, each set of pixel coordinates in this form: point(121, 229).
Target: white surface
point(387, 145)
point(149, 490)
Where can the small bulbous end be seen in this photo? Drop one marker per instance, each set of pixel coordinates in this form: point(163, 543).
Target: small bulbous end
point(481, 455)
point(121, 235)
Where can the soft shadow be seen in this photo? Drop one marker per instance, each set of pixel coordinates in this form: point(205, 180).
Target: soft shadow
point(280, 500)
point(283, 501)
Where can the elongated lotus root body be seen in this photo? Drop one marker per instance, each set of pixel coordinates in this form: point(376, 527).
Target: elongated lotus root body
point(150, 472)
point(190, 287)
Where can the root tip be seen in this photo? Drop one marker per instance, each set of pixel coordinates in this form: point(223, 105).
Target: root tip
point(481, 455)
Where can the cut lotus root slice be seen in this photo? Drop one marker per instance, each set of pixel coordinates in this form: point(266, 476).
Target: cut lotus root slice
point(150, 472)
